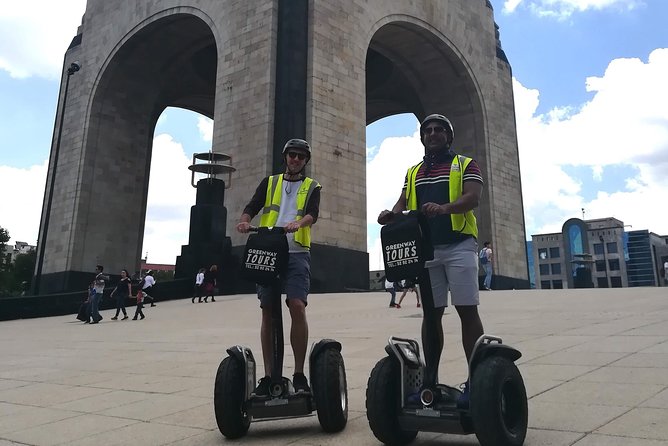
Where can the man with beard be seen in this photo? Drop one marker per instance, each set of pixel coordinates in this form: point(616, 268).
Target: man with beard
point(446, 187)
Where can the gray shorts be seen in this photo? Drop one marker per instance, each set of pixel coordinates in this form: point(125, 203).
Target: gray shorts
point(296, 283)
point(455, 268)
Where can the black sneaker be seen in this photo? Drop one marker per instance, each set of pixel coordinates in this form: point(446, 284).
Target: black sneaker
point(262, 388)
point(300, 383)
point(464, 398)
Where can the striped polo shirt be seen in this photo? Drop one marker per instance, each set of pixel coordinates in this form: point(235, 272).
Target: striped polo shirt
point(433, 185)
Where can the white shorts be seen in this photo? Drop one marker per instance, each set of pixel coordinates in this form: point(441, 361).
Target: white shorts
point(455, 269)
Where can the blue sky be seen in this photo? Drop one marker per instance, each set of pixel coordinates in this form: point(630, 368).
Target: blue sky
point(590, 94)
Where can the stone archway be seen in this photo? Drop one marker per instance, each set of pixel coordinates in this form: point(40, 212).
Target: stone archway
point(170, 61)
point(266, 72)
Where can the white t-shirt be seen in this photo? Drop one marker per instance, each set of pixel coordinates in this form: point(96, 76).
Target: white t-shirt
point(148, 281)
point(665, 268)
point(199, 279)
point(288, 211)
point(388, 284)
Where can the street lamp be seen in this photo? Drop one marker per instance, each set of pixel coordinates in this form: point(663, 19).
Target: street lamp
point(73, 68)
point(605, 262)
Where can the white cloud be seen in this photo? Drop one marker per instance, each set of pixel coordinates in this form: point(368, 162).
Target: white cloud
point(625, 123)
point(170, 196)
point(21, 203)
point(205, 127)
point(34, 35)
point(562, 9)
point(385, 174)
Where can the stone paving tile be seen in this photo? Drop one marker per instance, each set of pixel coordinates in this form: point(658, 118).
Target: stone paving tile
point(607, 440)
point(641, 422)
point(658, 328)
point(157, 405)
point(138, 433)
point(560, 372)
point(624, 344)
point(552, 342)
point(204, 391)
point(47, 394)
point(659, 401)
point(539, 437)
point(658, 360)
point(595, 393)
point(66, 431)
point(536, 386)
point(17, 417)
point(624, 375)
point(150, 383)
point(571, 417)
point(83, 379)
point(99, 403)
point(12, 384)
point(578, 358)
point(200, 417)
point(660, 348)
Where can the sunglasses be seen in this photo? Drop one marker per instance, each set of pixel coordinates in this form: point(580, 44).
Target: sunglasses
point(300, 156)
point(430, 130)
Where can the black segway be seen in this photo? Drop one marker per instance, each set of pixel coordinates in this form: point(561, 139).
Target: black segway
point(403, 397)
point(265, 259)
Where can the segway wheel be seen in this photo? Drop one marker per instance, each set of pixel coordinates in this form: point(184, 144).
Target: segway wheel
point(228, 399)
point(330, 390)
point(383, 399)
point(499, 403)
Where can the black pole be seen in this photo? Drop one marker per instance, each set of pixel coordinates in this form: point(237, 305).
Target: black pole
point(73, 68)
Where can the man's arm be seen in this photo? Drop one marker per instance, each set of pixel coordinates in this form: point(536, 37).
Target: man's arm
point(253, 207)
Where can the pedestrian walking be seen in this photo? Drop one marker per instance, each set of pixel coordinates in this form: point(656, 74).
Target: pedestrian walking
point(389, 287)
point(210, 283)
point(199, 280)
point(121, 292)
point(140, 305)
point(95, 292)
point(485, 256)
point(147, 287)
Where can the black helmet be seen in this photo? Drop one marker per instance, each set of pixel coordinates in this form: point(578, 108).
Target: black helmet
point(297, 144)
point(442, 120)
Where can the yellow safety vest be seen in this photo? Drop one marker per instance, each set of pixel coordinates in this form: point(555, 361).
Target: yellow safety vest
point(272, 205)
point(463, 223)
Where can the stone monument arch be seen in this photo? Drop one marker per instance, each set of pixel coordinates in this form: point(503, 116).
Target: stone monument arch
point(266, 72)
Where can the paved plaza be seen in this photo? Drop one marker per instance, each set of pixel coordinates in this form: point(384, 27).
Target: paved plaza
point(595, 364)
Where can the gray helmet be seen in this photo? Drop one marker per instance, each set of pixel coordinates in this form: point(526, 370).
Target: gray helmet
point(443, 121)
point(297, 144)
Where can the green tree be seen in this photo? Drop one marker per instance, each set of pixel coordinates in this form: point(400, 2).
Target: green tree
point(5, 264)
point(4, 238)
point(24, 267)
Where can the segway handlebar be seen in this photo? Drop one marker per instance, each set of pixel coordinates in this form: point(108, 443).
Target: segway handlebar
point(278, 229)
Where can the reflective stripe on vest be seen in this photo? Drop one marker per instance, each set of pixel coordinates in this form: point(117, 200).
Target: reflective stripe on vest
point(272, 205)
point(464, 223)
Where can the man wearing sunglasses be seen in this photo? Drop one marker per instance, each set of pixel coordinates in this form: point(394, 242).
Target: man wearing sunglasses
point(290, 200)
point(446, 187)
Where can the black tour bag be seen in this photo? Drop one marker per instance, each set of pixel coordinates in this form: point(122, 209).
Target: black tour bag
point(406, 246)
point(266, 256)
